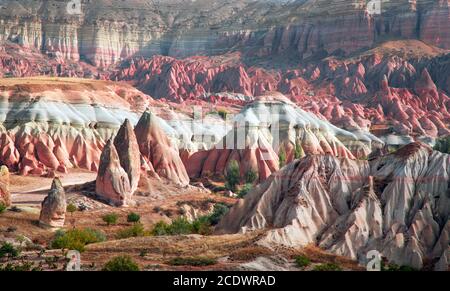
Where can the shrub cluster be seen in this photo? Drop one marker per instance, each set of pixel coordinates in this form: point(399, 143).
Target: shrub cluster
point(121, 264)
point(76, 239)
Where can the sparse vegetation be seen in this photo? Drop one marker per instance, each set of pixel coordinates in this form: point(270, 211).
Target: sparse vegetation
point(133, 217)
point(396, 268)
point(8, 250)
point(299, 152)
point(71, 208)
point(244, 190)
point(251, 177)
point(249, 253)
point(178, 226)
point(282, 157)
point(121, 264)
point(220, 210)
point(443, 145)
point(21, 267)
point(328, 267)
point(302, 261)
point(136, 230)
point(202, 226)
point(110, 218)
point(2, 207)
point(222, 113)
point(233, 176)
point(194, 261)
point(76, 239)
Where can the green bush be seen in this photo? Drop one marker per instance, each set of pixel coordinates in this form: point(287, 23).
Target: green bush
point(133, 217)
point(110, 218)
point(302, 261)
point(233, 176)
point(327, 267)
point(8, 250)
point(2, 207)
point(251, 176)
point(282, 157)
point(194, 261)
point(121, 264)
point(76, 239)
point(220, 210)
point(136, 230)
point(160, 228)
point(202, 226)
point(180, 226)
point(244, 191)
point(71, 208)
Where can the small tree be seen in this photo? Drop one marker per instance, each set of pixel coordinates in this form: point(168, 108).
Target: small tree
point(233, 176)
point(110, 218)
point(251, 176)
point(299, 152)
point(2, 207)
point(133, 217)
point(282, 157)
point(244, 191)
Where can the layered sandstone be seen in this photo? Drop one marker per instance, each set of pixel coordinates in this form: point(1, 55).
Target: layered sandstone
point(108, 31)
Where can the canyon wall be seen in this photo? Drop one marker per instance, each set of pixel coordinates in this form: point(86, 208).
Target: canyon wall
point(108, 31)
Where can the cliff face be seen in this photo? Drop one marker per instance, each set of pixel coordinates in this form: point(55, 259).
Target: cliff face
point(109, 30)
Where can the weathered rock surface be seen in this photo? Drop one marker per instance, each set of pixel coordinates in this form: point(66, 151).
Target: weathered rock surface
point(112, 183)
point(53, 209)
point(270, 125)
point(157, 150)
point(107, 31)
point(127, 148)
point(397, 204)
point(5, 195)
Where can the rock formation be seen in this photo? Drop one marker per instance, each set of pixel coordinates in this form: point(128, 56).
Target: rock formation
point(53, 209)
point(271, 125)
point(159, 155)
point(397, 204)
point(112, 183)
point(5, 195)
point(107, 31)
point(127, 148)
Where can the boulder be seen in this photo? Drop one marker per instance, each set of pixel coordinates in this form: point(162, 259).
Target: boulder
point(53, 209)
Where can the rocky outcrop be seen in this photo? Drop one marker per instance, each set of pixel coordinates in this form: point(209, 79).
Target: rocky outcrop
point(127, 148)
point(272, 125)
point(159, 155)
point(397, 204)
point(112, 183)
point(5, 195)
point(53, 208)
point(51, 124)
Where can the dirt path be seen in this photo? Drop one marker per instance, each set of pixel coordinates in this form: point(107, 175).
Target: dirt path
point(32, 190)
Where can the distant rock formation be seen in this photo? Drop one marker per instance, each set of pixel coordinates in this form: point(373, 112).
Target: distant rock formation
point(5, 195)
point(158, 153)
point(53, 209)
point(112, 183)
point(270, 125)
point(397, 204)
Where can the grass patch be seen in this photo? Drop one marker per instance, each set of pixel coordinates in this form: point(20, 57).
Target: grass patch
point(2, 207)
point(249, 253)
